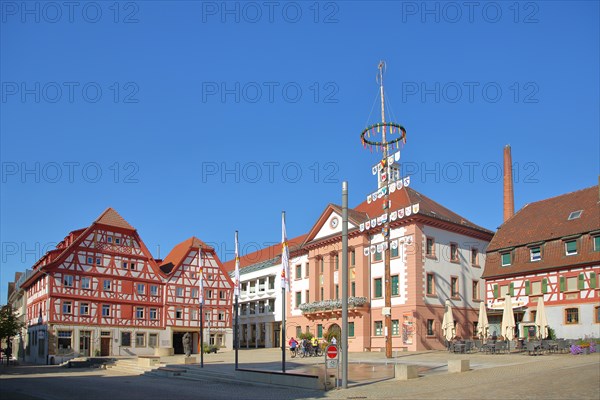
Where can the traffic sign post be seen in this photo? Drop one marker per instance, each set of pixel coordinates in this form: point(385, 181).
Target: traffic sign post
point(331, 362)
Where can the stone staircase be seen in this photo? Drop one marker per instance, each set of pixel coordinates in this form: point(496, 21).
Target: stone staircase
point(195, 373)
point(130, 366)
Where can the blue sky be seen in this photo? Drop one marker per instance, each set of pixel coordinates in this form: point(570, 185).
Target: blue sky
point(202, 118)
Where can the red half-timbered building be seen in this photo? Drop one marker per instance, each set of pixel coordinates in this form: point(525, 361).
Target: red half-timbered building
point(100, 292)
point(182, 298)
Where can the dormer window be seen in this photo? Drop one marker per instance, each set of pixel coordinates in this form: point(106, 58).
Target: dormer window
point(575, 215)
point(571, 247)
point(535, 253)
point(506, 261)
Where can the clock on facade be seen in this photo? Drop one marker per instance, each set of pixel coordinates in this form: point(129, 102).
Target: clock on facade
point(334, 222)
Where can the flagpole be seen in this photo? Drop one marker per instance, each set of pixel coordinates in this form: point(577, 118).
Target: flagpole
point(284, 277)
point(236, 343)
point(201, 298)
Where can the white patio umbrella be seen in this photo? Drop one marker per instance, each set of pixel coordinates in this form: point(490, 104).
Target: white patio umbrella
point(508, 319)
point(448, 329)
point(482, 323)
point(541, 322)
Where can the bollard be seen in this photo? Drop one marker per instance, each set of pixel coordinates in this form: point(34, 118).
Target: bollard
point(403, 372)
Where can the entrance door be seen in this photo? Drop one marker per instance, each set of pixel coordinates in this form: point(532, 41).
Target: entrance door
point(84, 343)
point(178, 343)
point(105, 346)
point(276, 336)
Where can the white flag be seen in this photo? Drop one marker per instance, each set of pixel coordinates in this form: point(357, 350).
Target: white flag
point(285, 257)
point(200, 277)
point(236, 277)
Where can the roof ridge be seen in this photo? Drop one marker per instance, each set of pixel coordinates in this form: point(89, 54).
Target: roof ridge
point(561, 195)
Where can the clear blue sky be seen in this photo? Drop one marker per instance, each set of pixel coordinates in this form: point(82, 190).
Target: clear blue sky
point(141, 107)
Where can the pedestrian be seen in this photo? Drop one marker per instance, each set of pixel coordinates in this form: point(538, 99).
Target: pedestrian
point(293, 344)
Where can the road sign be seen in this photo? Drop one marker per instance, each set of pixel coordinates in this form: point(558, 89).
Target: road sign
point(332, 351)
point(332, 363)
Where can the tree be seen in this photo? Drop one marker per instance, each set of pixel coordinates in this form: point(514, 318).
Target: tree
point(9, 323)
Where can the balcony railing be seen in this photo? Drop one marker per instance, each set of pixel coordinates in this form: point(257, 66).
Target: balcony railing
point(326, 305)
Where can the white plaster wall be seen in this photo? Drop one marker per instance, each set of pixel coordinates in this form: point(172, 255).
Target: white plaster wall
point(327, 230)
point(585, 327)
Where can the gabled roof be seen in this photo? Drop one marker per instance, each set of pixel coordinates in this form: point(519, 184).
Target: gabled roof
point(355, 217)
point(548, 219)
point(180, 251)
point(112, 218)
point(270, 254)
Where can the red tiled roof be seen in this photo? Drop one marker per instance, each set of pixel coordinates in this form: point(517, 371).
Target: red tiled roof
point(408, 196)
point(112, 218)
point(176, 256)
point(264, 254)
point(548, 219)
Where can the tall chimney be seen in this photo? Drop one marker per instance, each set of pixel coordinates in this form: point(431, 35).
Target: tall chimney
point(509, 195)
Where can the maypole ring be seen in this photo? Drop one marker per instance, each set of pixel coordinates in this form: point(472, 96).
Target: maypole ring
point(374, 129)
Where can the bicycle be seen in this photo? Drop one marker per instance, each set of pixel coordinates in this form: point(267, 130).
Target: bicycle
point(293, 351)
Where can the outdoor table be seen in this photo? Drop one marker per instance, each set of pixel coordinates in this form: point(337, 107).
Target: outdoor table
point(459, 347)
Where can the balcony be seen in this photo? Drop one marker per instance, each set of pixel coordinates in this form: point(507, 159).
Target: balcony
point(333, 308)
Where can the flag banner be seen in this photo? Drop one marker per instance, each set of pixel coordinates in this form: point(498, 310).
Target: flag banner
point(390, 160)
point(397, 156)
point(384, 217)
point(392, 187)
point(369, 199)
point(285, 257)
point(379, 248)
point(374, 170)
point(401, 213)
point(394, 244)
point(236, 276)
point(394, 215)
point(379, 220)
point(408, 211)
point(362, 227)
point(373, 222)
point(415, 208)
point(407, 181)
point(368, 225)
point(373, 249)
point(374, 196)
point(366, 251)
point(200, 278)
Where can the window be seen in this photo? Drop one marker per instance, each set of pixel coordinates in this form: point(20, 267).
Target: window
point(98, 261)
point(298, 331)
point(535, 253)
point(153, 313)
point(153, 290)
point(179, 291)
point(536, 287)
point(222, 294)
point(431, 284)
point(572, 284)
point(575, 215)
point(378, 328)
point(337, 292)
point(117, 240)
point(193, 315)
point(453, 252)
point(140, 340)
point(596, 243)
point(209, 294)
point(68, 280)
point(571, 316)
point(430, 247)
point(350, 329)
point(132, 266)
point(505, 259)
point(322, 264)
point(395, 327)
point(194, 293)
point(299, 271)
point(139, 312)
point(571, 247)
point(378, 288)
point(109, 239)
point(395, 285)
point(179, 313)
point(394, 252)
point(474, 256)
point(90, 260)
point(475, 290)
point(64, 341)
point(271, 282)
point(85, 282)
point(124, 265)
point(454, 286)
point(319, 331)
point(307, 296)
point(221, 316)
point(352, 288)
point(105, 310)
point(322, 294)
point(337, 262)
point(152, 340)
point(378, 255)
point(597, 315)
point(298, 299)
point(84, 309)
point(475, 328)
point(66, 307)
point(107, 284)
point(141, 288)
point(126, 339)
point(429, 327)
point(353, 259)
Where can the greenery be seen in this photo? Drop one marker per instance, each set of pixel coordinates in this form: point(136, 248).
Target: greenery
point(305, 335)
point(332, 304)
point(9, 323)
point(551, 334)
point(212, 348)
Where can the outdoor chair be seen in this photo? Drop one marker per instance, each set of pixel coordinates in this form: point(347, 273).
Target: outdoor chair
point(501, 347)
point(532, 348)
point(477, 345)
point(562, 345)
point(468, 346)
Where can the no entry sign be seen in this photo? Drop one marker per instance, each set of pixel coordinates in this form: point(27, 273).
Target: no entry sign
point(332, 351)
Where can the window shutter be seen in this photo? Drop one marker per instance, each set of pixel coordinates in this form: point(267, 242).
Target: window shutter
point(495, 291)
point(581, 282)
point(511, 289)
point(563, 284)
point(592, 280)
point(544, 285)
point(527, 288)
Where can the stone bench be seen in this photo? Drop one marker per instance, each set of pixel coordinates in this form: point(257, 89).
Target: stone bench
point(404, 372)
point(458, 366)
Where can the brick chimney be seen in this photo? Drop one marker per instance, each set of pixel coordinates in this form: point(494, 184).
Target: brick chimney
point(509, 195)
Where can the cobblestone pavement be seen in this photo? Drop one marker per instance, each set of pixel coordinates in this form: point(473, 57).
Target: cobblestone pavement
point(514, 376)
